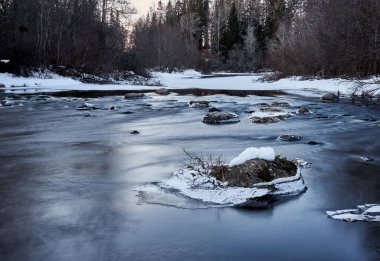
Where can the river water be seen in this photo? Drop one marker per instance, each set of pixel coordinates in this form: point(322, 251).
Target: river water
point(68, 180)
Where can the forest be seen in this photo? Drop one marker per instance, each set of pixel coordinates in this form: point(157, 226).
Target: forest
point(318, 38)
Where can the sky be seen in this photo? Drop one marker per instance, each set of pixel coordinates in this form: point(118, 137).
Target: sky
point(142, 6)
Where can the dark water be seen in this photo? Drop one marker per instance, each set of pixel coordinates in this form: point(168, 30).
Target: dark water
point(67, 181)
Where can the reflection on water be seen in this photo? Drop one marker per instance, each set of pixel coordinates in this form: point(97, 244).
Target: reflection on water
point(67, 181)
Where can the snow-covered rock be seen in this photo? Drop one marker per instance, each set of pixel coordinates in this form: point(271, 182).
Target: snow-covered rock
point(367, 212)
point(207, 189)
point(266, 153)
point(269, 115)
point(202, 185)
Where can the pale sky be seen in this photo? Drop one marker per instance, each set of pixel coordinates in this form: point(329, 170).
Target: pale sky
point(143, 6)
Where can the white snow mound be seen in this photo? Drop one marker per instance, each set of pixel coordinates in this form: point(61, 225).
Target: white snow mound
point(266, 153)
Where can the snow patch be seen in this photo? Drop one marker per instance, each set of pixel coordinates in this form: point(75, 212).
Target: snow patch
point(266, 153)
point(367, 212)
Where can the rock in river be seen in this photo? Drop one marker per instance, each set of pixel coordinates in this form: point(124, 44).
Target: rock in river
point(303, 110)
point(134, 95)
point(220, 118)
point(269, 115)
point(163, 91)
point(199, 104)
point(254, 171)
point(253, 179)
point(330, 97)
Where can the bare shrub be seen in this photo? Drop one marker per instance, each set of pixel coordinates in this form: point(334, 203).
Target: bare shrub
point(203, 164)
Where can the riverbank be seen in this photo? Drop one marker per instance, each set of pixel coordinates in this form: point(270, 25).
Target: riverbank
point(183, 81)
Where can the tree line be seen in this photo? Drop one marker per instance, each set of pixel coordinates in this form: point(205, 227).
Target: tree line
point(296, 37)
point(86, 34)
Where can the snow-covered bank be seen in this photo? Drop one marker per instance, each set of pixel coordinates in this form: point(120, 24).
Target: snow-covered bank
point(368, 212)
point(185, 80)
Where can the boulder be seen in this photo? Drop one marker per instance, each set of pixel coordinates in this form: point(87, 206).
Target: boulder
point(2, 86)
point(255, 171)
point(220, 118)
point(330, 97)
point(312, 143)
point(199, 104)
point(213, 109)
point(303, 110)
point(289, 138)
point(135, 132)
point(162, 91)
point(269, 115)
point(280, 104)
point(134, 95)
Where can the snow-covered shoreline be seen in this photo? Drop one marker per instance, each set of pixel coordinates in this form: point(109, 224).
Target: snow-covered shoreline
point(188, 79)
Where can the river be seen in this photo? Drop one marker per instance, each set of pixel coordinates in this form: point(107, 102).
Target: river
point(68, 181)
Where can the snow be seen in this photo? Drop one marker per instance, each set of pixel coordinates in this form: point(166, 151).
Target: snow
point(265, 153)
point(367, 212)
point(185, 80)
point(191, 184)
point(5, 61)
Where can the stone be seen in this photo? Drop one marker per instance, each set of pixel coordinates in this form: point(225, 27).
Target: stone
point(289, 138)
point(162, 91)
point(199, 104)
point(280, 104)
point(255, 171)
point(269, 115)
point(312, 143)
point(303, 110)
point(134, 95)
point(135, 132)
point(220, 118)
point(213, 109)
point(2, 85)
point(330, 97)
